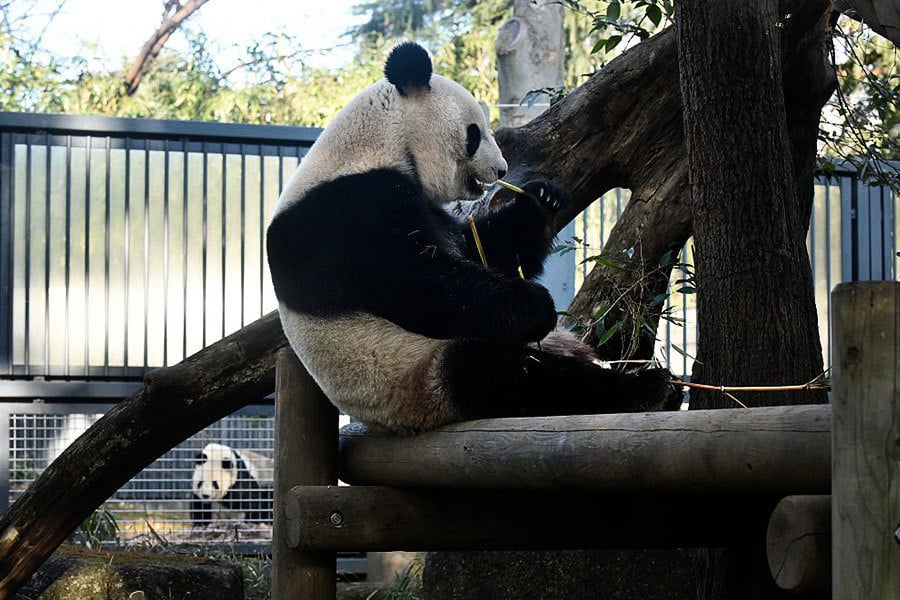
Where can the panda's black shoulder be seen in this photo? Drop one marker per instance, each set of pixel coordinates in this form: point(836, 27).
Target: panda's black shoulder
point(330, 249)
point(376, 184)
point(352, 203)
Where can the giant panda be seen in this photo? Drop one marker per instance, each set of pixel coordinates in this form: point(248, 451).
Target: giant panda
point(234, 480)
point(380, 288)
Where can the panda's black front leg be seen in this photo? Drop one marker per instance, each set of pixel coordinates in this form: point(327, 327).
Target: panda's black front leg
point(201, 512)
point(520, 233)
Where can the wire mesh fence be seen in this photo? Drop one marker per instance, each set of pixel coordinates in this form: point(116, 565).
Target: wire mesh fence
point(214, 488)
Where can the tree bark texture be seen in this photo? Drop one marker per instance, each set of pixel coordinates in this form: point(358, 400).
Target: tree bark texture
point(756, 310)
point(750, 200)
point(174, 403)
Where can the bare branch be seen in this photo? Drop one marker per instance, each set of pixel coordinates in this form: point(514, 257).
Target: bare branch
point(174, 14)
point(50, 18)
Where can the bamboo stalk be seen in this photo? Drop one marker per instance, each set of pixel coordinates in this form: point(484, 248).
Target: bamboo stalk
point(477, 240)
point(815, 384)
point(510, 187)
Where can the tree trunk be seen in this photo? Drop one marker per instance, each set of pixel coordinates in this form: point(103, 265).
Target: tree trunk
point(751, 189)
point(756, 310)
point(529, 57)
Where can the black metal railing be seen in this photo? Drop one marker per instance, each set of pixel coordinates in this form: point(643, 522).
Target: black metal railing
point(127, 244)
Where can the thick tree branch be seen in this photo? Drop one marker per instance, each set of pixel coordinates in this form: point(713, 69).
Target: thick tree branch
point(174, 14)
point(622, 128)
point(883, 16)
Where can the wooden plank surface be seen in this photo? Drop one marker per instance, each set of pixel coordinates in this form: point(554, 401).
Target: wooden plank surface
point(866, 441)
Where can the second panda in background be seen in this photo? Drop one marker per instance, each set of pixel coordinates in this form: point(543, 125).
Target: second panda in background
point(382, 293)
point(233, 480)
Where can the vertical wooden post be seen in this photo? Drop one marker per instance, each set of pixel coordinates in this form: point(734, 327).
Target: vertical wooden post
point(865, 513)
point(306, 442)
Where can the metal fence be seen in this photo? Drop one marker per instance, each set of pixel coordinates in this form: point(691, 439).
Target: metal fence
point(116, 234)
point(155, 505)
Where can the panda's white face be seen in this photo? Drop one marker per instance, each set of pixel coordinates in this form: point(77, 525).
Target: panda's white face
point(216, 471)
point(449, 138)
point(421, 124)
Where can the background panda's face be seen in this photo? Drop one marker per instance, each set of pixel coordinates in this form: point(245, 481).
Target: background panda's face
point(215, 472)
point(449, 139)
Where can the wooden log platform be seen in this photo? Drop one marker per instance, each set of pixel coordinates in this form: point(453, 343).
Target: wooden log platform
point(798, 545)
point(763, 451)
point(373, 518)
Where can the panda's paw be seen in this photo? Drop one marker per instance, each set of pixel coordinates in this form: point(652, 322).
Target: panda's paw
point(535, 312)
point(547, 194)
point(653, 389)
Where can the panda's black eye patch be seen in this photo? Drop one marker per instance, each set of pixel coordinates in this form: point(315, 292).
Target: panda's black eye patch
point(226, 464)
point(473, 139)
point(200, 458)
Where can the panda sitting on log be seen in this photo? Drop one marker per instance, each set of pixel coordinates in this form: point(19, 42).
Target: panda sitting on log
point(382, 292)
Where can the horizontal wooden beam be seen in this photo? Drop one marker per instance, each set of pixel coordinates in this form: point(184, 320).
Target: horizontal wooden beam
point(777, 450)
point(373, 518)
point(798, 545)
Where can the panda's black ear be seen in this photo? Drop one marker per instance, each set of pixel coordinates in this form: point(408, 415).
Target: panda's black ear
point(408, 67)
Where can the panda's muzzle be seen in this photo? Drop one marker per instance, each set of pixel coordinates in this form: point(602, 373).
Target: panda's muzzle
point(475, 186)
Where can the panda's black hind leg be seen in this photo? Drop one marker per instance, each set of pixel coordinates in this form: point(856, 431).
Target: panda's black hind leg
point(489, 379)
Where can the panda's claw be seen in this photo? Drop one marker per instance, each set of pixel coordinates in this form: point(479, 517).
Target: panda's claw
point(545, 194)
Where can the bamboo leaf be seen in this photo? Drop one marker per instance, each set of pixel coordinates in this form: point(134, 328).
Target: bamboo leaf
point(658, 300)
point(606, 262)
point(609, 333)
point(612, 42)
point(613, 11)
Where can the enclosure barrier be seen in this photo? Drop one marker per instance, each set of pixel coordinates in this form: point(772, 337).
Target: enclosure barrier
point(672, 479)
